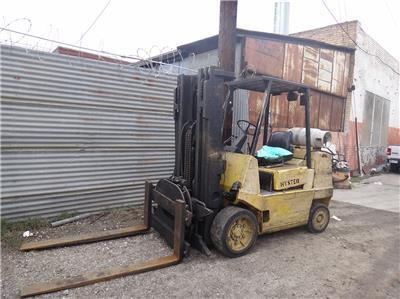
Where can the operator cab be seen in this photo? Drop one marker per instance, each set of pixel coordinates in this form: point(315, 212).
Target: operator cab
point(276, 159)
point(269, 86)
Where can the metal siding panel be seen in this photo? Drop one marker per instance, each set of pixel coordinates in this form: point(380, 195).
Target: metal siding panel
point(314, 108)
point(76, 133)
point(240, 111)
point(296, 114)
point(325, 70)
point(310, 66)
point(293, 62)
point(325, 107)
point(265, 56)
point(279, 111)
point(336, 114)
point(339, 65)
point(255, 102)
point(346, 75)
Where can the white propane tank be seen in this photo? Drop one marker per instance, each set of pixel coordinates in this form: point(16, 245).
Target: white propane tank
point(318, 137)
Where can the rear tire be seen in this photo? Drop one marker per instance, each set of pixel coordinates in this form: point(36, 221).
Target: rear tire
point(318, 219)
point(234, 231)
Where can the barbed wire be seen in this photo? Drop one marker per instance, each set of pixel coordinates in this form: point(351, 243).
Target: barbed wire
point(154, 63)
point(6, 25)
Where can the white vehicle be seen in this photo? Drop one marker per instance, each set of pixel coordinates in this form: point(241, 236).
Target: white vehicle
point(393, 157)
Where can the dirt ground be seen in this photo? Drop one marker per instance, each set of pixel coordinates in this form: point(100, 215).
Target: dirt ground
point(357, 257)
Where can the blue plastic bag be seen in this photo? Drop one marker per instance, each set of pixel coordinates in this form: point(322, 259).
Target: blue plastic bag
point(272, 153)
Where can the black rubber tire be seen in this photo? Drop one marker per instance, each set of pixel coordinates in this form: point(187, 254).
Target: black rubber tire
point(394, 167)
point(314, 209)
point(221, 224)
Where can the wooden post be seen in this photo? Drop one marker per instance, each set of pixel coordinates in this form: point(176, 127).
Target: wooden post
point(227, 34)
point(226, 51)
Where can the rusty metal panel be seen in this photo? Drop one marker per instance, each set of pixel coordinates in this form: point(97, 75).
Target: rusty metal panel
point(325, 70)
point(296, 115)
point(293, 62)
point(311, 53)
point(314, 108)
point(336, 114)
point(325, 107)
point(279, 111)
point(310, 66)
point(255, 103)
point(339, 65)
point(265, 56)
point(346, 75)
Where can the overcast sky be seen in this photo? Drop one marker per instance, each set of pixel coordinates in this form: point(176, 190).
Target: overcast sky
point(141, 27)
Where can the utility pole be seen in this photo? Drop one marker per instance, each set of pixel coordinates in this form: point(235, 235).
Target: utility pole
point(227, 34)
point(226, 52)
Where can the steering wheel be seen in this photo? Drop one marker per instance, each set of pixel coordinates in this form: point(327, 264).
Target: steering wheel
point(245, 129)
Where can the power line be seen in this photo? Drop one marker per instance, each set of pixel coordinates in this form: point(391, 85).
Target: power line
point(355, 43)
point(391, 14)
point(95, 20)
point(96, 51)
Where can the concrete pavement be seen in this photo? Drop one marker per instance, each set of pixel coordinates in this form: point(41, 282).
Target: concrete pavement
point(379, 192)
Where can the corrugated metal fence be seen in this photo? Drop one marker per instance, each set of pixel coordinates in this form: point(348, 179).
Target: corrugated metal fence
point(80, 135)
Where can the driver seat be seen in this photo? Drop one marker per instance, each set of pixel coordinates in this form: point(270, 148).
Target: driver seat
point(282, 139)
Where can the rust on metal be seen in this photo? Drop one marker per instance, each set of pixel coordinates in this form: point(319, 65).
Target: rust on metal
point(338, 72)
point(310, 66)
point(296, 114)
point(94, 277)
point(293, 62)
point(325, 105)
point(325, 70)
point(314, 108)
point(336, 114)
point(266, 56)
point(279, 111)
point(85, 238)
point(346, 74)
point(255, 100)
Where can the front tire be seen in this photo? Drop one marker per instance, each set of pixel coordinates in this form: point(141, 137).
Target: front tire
point(318, 219)
point(394, 167)
point(234, 231)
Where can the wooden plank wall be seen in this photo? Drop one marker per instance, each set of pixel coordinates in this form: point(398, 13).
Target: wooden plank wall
point(326, 71)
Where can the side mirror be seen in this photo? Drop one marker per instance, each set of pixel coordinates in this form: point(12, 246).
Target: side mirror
point(292, 96)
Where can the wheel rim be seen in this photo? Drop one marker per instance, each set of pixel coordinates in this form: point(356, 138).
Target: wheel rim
point(320, 219)
point(239, 234)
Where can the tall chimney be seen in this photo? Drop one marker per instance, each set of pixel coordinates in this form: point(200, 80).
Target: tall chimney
point(281, 17)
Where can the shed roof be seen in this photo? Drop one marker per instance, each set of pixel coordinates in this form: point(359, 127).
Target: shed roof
point(211, 43)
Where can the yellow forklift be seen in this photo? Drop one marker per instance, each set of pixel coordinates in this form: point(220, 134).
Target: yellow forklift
point(223, 195)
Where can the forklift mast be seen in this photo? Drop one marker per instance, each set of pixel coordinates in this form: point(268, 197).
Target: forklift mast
point(199, 114)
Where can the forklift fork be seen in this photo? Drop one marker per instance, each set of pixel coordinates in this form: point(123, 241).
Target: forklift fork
point(175, 207)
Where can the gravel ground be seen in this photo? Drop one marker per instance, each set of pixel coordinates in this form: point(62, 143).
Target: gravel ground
point(357, 257)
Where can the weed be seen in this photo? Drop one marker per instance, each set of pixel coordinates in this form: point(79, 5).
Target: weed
point(11, 232)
